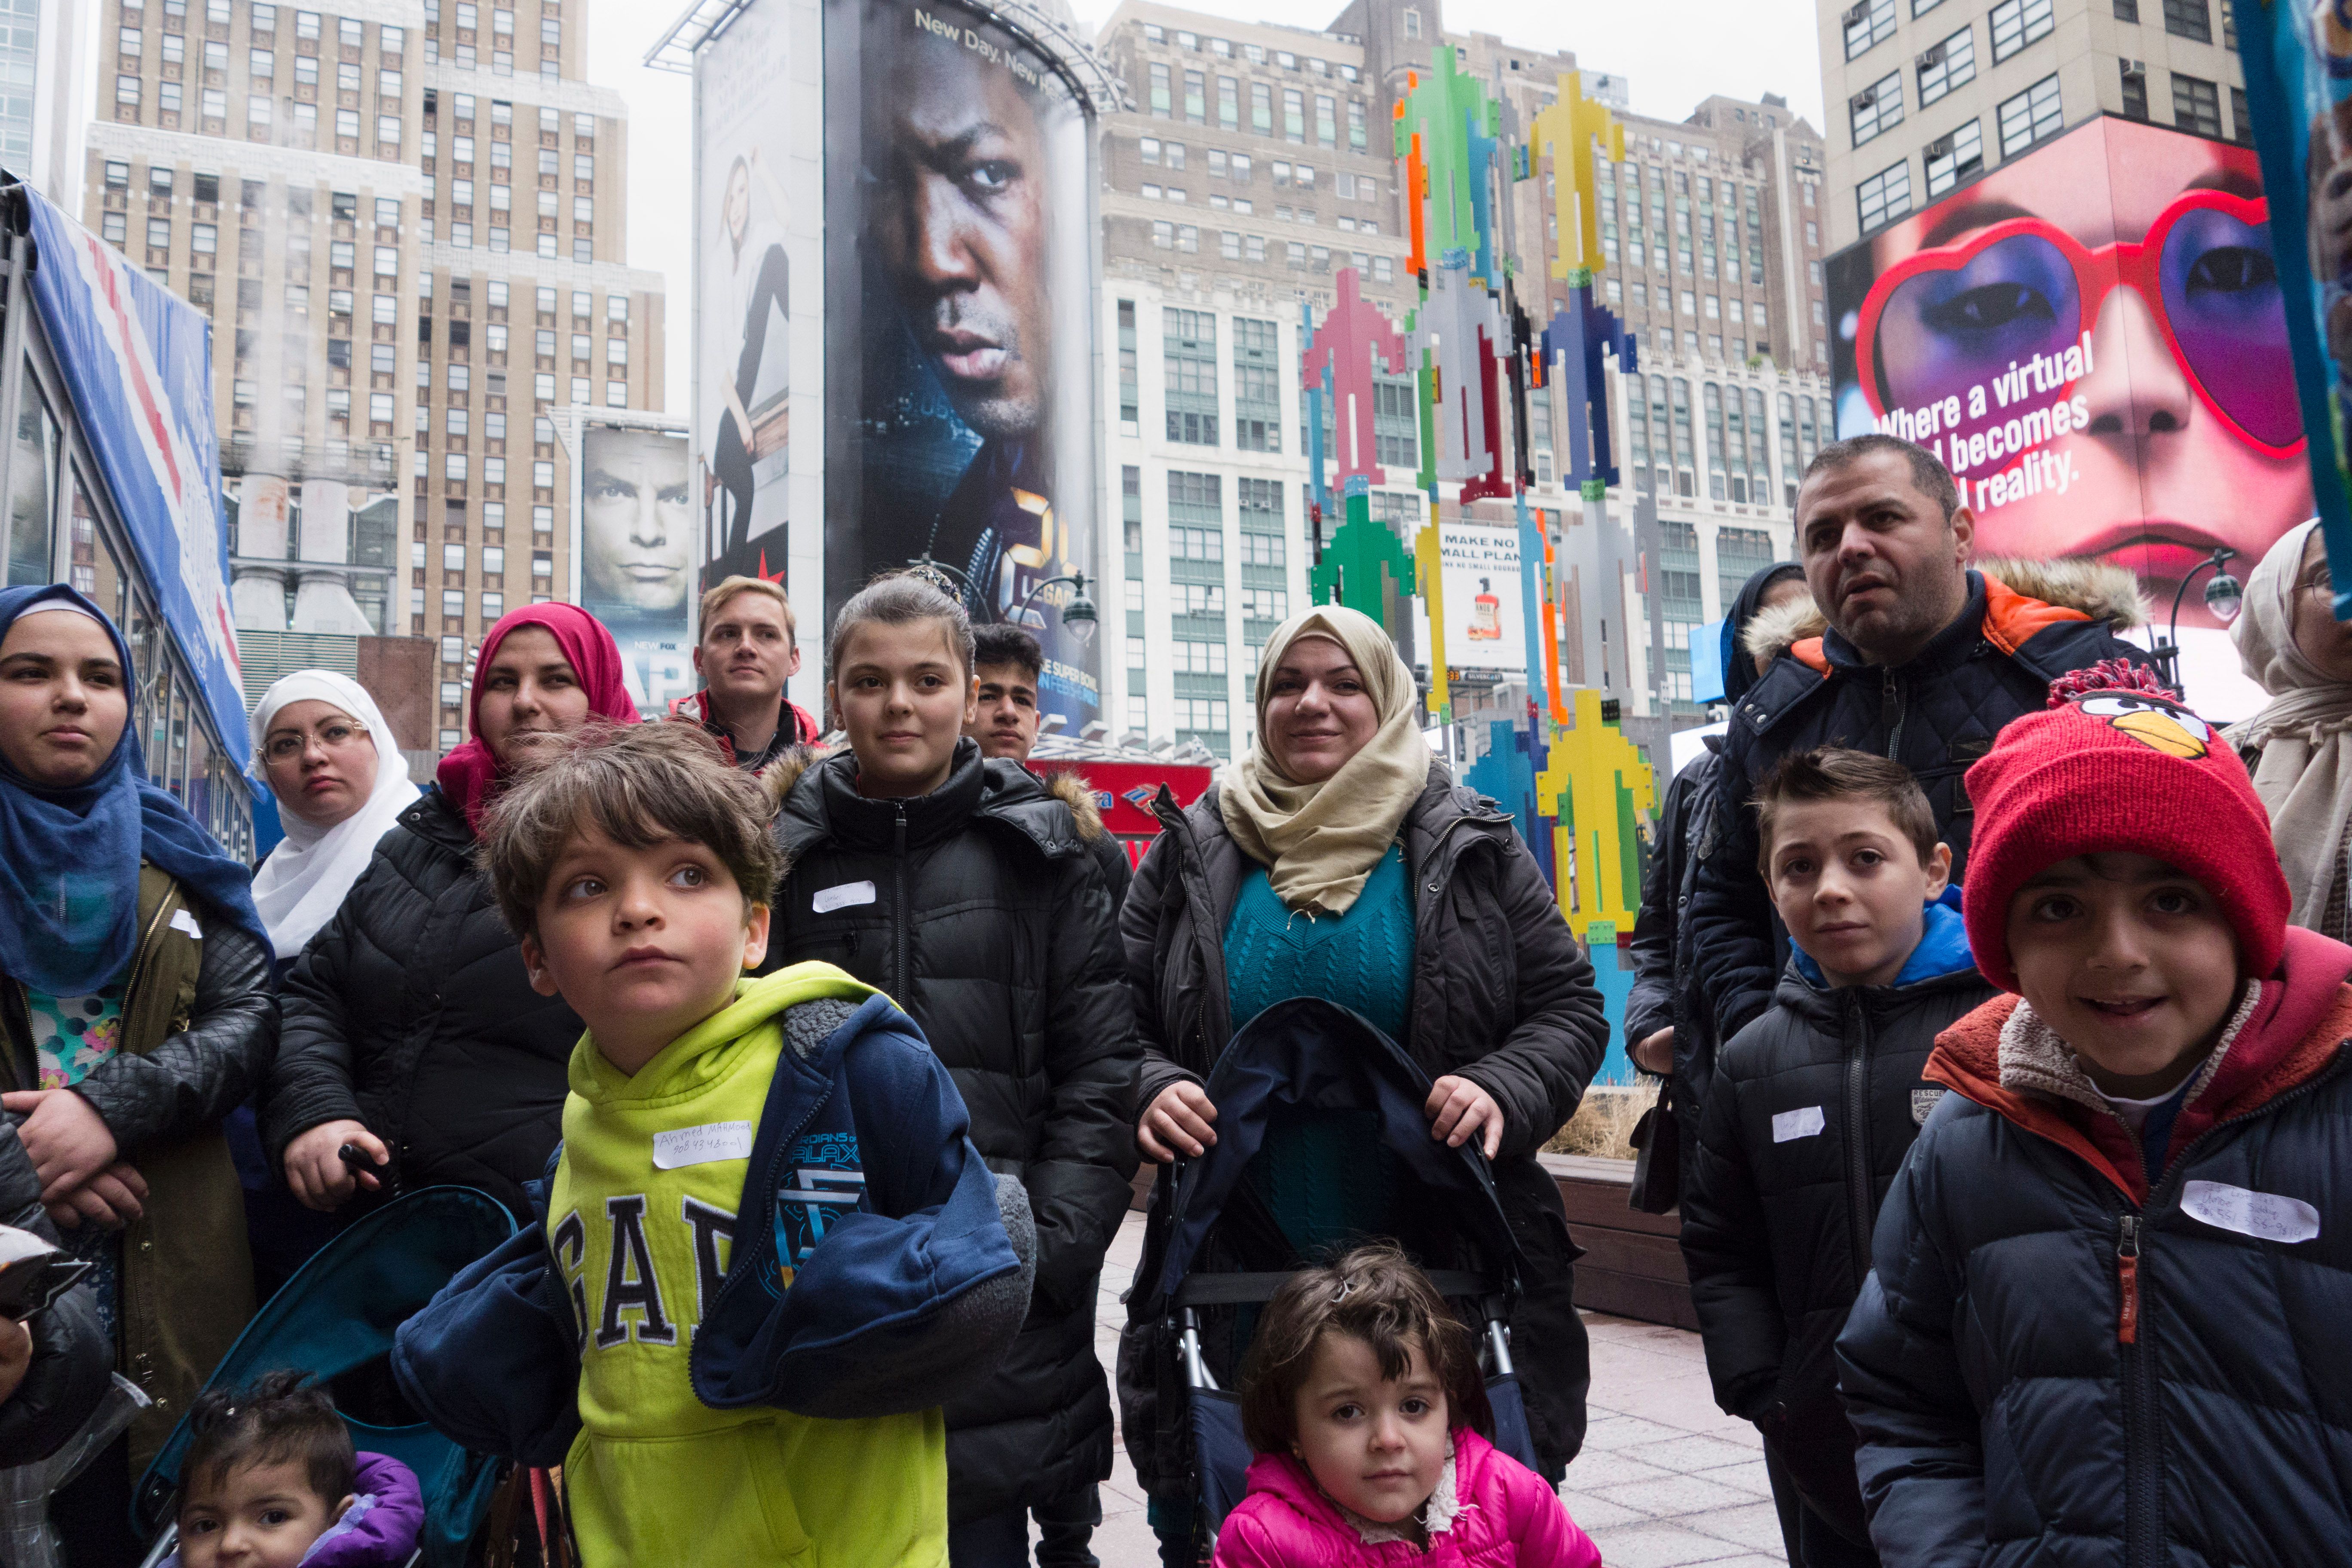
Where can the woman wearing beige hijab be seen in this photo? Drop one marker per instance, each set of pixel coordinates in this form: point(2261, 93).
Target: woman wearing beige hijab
point(1338, 858)
point(2299, 747)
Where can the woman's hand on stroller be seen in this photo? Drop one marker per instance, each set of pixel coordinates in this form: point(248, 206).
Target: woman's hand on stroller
point(1177, 1123)
point(316, 1172)
point(73, 1153)
point(1458, 1109)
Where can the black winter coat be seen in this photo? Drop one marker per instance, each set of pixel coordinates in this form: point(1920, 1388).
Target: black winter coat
point(1665, 991)
point(1813, 1108)
point(2004, 1421)
point(1501, 995)
point(1936, 715)
point(73, 1357)
point(980, 909)
point(410, 1012)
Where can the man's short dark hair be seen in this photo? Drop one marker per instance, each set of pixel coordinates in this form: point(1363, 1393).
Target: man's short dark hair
point(639, 785)
point(283, 1417)
point(1928, 475)
point(1000, 642)
point(1840, 772)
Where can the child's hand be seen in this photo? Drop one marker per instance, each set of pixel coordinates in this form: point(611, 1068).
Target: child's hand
point(1457, 1108)
point(66, 1140)
point(109, 1200)
point(315, 1168)
point(1178, 1118)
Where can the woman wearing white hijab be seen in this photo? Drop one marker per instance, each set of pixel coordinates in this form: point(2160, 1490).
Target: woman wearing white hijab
point(1338, 858)
point(323, 746)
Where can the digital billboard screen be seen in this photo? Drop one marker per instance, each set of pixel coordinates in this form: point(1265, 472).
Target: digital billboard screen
point(2091, 336)
point(635, 546)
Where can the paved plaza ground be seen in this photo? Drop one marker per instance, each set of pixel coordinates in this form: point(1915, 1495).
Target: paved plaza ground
point(1665, 1479)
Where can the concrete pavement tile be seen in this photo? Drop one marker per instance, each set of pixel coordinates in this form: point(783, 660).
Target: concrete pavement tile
point(1592, 1472)
point(1609, 1432)
point(1685, 1455)
point(1757, 1526)
point(1674, 1496)
point(1593, 1513)
point(1748, 1476)
point(1660, 1545)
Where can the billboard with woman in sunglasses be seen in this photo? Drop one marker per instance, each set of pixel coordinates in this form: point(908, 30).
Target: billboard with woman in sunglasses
point(2092, 337)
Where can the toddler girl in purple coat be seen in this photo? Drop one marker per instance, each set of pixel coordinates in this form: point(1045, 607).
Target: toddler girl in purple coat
point(271, 1481)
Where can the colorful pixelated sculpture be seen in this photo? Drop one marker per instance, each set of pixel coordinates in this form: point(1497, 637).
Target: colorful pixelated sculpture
point(1445, 138)
point(1566, 134)
point(1365, 566)
point(1600, 790)
point(1538, 599)
point(1460, 325)
point(1574, 343)
point(1340, 354)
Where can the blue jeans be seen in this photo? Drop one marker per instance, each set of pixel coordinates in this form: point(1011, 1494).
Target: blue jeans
point(1001, 1540)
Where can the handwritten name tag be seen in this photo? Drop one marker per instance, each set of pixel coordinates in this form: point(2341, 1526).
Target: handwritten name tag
point(2265, 1216)
point(829, 899)
point(1806, 1123)
point(702, 1145)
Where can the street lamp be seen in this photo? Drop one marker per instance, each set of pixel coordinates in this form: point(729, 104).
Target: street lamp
point(2223, 596)
point(1079, 615)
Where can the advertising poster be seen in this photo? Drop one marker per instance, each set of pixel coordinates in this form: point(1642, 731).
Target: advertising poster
point(2092, 337)
point(138, 363)
point(635, 546)
point(960, 321)
point(756, 273)
point(1484, 621)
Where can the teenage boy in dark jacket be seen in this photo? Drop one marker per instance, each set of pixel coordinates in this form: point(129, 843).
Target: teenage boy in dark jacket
point(1813, 1107)
point(964, 889)
point(2107, 1318)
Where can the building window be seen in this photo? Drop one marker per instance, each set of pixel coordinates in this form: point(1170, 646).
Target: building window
point(1189, 349)
point(1877, 108)
point(1412, 22)
point(2134, 77)
point(2032, 116)
point(2017, 23)
point(1257, 386)
point(1866, 23)
point(1948, 65)
point(2242, 125)
point(1162, 93)
point(2127, 11)
point(2196, 105)
point(2188, 19)
point(1954, 158)
point(1886, 195)
point(1130, 391)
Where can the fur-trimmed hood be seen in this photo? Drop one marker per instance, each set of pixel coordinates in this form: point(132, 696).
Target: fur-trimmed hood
point(1067, 787)
point(2099, 589)
point(1073, 792)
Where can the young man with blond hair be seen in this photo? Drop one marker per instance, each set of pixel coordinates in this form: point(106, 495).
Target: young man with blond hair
point(750, 647)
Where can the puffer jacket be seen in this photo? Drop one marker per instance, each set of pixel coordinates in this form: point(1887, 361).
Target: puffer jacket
point(1813, 1107)
point(978, 908)
point(2065, 1358)
point(73, 1361)
point(410, 1012)
point(1497, 1513)
point(2025, 624)
point(1501, 995)
point(1665, 991)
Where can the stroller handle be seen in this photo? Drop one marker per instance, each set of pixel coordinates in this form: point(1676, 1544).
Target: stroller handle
point(1197, 1375)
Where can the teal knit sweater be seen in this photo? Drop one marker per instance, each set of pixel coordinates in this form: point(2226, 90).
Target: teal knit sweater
point(1313, 1171)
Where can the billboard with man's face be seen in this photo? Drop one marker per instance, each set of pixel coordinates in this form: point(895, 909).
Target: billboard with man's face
point(635, 546)
point(959, 242)
point(2092, 337)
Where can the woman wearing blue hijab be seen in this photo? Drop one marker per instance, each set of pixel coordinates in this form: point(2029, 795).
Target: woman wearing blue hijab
point(135, 1014)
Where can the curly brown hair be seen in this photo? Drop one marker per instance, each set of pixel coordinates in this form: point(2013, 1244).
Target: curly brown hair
point(1377, 1295)
point(638, 784)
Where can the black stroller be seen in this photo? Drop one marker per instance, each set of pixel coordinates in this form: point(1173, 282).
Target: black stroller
point(1213, 1253)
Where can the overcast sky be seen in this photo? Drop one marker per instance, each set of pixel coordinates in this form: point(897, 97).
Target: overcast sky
point(1745, 47)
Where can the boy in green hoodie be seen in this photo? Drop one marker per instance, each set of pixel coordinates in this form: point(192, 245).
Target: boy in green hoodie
point(638, 869)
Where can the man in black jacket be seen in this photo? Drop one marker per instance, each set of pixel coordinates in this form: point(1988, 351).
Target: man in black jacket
point(1924, 661)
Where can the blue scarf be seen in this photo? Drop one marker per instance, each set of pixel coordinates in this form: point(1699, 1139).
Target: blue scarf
point(69, 857)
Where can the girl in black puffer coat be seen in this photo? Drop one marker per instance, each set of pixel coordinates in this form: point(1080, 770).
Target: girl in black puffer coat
point(967, 889)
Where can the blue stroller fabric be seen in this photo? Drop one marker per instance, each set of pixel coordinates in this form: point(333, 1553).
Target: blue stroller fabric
point(335, 1320)
point(1307, 1055)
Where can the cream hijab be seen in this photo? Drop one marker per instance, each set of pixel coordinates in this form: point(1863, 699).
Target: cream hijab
point(1321, 841)
point(2305, 775)
point(301, 885)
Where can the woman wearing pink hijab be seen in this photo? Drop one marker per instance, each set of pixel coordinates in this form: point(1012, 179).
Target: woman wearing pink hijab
point(412, 1038)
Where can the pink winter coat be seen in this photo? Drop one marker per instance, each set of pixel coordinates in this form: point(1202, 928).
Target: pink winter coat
point(1507, 1517)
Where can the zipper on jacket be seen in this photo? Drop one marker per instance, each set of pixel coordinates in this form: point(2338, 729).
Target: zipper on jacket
point(1890, 709)
point(1857, 1138)
point(2128, 1280)
point(898, 904)
point(2143, 1443)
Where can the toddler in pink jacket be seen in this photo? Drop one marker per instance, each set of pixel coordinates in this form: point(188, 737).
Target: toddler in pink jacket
point(1363, 1400)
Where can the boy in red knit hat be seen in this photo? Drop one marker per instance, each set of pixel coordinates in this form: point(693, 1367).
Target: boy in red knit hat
point(2105, 1317)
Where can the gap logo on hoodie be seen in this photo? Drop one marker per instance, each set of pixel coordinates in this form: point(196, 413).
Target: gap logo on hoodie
point(823, 1180)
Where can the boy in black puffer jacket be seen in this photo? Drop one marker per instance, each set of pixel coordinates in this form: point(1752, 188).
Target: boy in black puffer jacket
point(1813, 1108)
point(2106, 1323)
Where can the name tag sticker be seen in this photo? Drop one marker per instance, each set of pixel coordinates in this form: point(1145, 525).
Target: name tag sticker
point(829, 899)
point(2265, 1216)
point(1923, 1104)
point(181, 921)
point(1806, 1123)
point(703, 1145)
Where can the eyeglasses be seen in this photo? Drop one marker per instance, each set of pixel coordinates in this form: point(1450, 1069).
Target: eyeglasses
point(334, 734)
point(2001, 309)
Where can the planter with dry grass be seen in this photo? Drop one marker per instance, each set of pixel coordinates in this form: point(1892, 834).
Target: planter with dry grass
point(1602, 1126)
